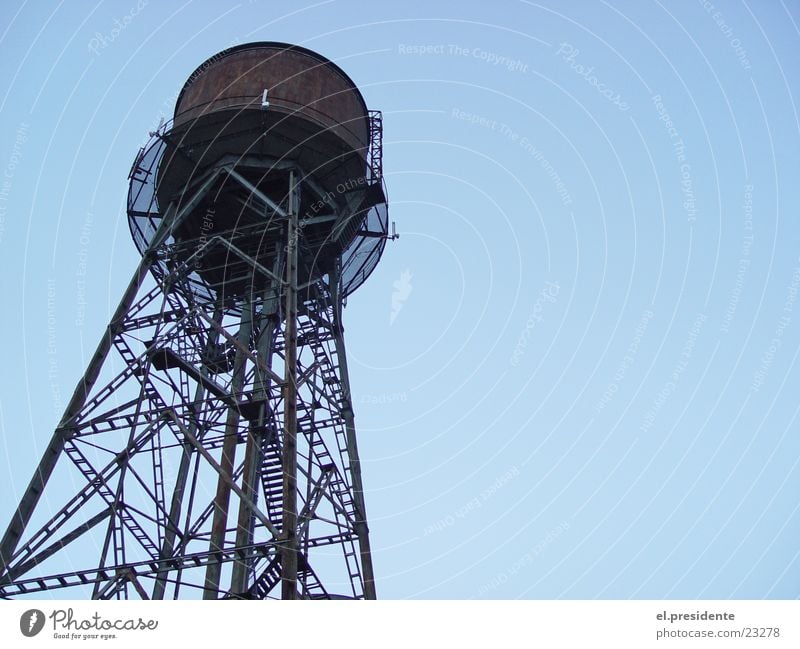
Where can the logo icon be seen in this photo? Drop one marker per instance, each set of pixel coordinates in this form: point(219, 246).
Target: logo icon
point(31, 622)
point(402, 289)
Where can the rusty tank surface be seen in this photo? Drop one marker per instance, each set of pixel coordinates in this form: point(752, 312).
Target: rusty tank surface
point(272, 127)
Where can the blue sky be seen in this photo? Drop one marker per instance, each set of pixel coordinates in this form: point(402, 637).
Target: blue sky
point(575, 373)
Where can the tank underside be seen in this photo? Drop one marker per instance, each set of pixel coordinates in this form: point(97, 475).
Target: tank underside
point(246, 164)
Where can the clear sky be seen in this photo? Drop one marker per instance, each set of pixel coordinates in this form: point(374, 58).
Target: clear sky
point(576, 372)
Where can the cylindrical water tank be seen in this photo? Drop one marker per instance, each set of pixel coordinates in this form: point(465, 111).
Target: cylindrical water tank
point(312, 115)
point(247, 122)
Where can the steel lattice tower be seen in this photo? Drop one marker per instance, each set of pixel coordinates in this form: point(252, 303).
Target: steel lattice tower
point(209, 449)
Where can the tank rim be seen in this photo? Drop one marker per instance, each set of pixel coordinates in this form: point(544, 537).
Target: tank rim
point(258, 45)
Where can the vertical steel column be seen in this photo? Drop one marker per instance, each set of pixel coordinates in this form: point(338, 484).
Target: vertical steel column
point(222, 499)
point(252, 454)
point(361, 528)
point(289, 531)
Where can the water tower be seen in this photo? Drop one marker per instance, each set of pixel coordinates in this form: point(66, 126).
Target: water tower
point(209, 449)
